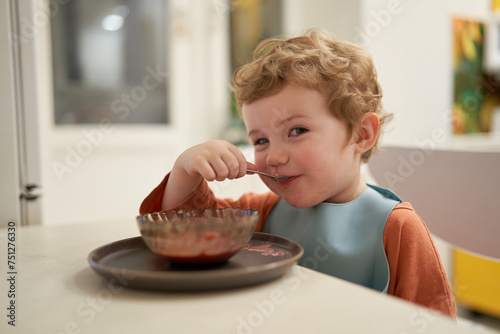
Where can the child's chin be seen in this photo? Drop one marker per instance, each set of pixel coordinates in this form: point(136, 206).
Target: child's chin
point(292, 200)
point(299, 203)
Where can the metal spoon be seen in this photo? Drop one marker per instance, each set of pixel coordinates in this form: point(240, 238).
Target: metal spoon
point(277, 178)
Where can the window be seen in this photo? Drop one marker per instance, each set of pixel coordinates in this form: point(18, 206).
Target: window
point(110, 62)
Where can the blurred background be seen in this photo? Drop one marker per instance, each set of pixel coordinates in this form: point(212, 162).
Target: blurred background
point(105, 94)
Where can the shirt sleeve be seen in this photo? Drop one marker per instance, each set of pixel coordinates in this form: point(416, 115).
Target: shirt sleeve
point(416, 271)
point(203, 197)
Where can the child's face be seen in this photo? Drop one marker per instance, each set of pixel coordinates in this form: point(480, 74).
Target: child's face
point(294, 134)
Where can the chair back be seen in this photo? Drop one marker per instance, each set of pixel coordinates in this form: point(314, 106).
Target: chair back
point(457, 193)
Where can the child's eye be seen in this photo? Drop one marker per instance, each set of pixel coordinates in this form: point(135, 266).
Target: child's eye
point(298, 131)
point(260, 141)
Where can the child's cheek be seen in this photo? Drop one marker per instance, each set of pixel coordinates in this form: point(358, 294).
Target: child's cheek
point(305, 155)
point(260, 162)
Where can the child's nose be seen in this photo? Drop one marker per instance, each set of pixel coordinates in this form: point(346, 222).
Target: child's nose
point(277, 156)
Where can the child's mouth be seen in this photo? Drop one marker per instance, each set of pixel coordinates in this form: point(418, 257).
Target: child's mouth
point(285, 179)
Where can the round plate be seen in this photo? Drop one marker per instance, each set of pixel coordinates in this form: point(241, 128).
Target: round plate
point(129, 262)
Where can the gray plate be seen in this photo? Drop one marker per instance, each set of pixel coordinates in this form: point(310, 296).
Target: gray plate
point(130, 263)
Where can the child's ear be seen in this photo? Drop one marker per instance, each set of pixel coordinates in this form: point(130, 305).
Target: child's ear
point(367, 132)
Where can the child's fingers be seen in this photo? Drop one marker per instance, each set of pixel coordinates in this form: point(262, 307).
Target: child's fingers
point(240, 169)
point(216, 160)
point(229, 163)
point(230, 167)
point(203, 169)
point(219, 169)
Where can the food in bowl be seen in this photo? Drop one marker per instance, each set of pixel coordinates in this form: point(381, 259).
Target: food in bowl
point(198, 236)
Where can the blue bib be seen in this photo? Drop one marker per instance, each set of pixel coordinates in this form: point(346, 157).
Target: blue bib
point(342, 240)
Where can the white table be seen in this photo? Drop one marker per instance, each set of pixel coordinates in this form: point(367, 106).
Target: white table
point(57, 292)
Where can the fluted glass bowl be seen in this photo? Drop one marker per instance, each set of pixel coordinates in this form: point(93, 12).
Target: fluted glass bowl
point(198, 236)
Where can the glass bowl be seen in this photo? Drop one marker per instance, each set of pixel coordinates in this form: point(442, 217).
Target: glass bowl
point(198, 236)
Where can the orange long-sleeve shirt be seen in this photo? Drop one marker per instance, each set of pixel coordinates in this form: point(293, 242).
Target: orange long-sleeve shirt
point(416, 272)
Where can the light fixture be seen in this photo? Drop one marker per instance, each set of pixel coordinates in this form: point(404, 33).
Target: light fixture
point(112, 22)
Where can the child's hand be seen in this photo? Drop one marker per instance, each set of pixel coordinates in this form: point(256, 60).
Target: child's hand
point(213, 160)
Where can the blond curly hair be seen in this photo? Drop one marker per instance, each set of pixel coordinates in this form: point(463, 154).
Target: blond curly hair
point(342, 71)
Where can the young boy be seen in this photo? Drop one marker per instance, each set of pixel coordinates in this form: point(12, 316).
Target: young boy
point(312, 108)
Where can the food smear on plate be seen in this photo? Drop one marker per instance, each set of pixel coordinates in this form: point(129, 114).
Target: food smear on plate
point(264, 249)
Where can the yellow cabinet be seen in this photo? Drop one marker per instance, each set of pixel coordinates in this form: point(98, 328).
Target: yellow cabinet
point(476, 282)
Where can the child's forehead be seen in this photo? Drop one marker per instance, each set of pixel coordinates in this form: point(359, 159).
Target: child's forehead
point(291, 101)
point(294, 104)
point(292, 91)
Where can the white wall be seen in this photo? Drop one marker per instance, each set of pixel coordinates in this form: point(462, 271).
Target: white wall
point(338, 17)
point(413, 56)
